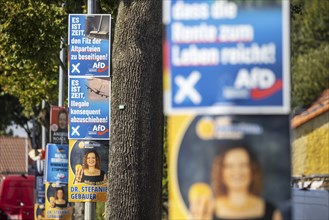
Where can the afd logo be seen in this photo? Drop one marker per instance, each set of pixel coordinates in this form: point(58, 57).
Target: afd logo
point(100, 66)
point(60, 176)
point(100, 129)
point(262, 83)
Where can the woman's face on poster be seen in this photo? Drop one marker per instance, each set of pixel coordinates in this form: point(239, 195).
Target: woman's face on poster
point(60, 194)
point(62, 120)
point(236, 170)
point(91, 160)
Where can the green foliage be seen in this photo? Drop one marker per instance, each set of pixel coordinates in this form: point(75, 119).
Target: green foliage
point(30, 33)
point(310, 26)
point(109, 7)
point(100, 211)
point(310, 47)
point(30, 39)
point(310, 75)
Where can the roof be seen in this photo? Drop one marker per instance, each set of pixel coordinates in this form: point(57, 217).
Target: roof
point(13, 155)
point(320, 106)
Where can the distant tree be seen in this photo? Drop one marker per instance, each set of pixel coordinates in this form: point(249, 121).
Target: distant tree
point(30, 33)
point(309, 50)
point(29, 45)
point(10, 112)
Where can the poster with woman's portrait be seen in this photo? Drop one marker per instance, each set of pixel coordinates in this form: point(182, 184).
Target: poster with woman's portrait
point(88, 167)
point(39, 211)
point(57, 204)
point(229, 167)
point(58, 125)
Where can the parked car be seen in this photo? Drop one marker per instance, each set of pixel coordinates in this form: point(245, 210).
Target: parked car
point(17, 197)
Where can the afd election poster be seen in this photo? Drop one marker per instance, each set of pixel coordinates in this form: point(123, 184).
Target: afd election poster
point(57, 205)
point(89, 45)
point(57, 163)
point(229, 167)
point(58, 125)
point(88, 167)
point(89, 108)
point(226, 56)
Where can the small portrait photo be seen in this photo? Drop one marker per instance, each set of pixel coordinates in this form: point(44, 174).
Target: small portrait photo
point(58, 125)
point(62, 120)
point(89, 162)
point(57, 196)
point(229, 169)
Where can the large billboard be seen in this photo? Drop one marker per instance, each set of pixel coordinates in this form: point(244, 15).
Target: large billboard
point(229, 167)
point(226, 56)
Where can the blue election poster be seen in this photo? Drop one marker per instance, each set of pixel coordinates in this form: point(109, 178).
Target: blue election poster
point(225, 56)
point(89, 108)
point(39, 190)
point(89, 45)
point(57, 163)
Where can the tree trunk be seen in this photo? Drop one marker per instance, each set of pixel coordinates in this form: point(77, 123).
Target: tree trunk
point(136, 151)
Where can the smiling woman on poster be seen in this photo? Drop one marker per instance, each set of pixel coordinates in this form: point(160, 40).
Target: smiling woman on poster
point(237, 185)
point(236, 181)
point(90, 172)
point(59, 201)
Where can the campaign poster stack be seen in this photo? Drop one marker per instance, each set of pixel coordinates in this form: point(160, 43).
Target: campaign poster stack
point(226, 94)
point(56, 201)
point(89, 91)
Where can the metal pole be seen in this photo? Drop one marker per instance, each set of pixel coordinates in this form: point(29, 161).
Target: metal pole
point(43, 129)
point(33, 134)
point(61, 76)
point(90, 207)
point(91, 7)
point(27, 155)
point(90, 210)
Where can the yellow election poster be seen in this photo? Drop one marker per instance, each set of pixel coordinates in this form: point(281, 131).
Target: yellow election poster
point(227, 167)
point(57, 205)
point(39, 211)
point(88, 167)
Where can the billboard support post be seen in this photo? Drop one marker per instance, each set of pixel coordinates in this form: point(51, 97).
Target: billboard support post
point(88, 103)
point(61, 76)
point(90, 207)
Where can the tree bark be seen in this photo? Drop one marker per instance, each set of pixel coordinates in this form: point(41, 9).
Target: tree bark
point(136, 151)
